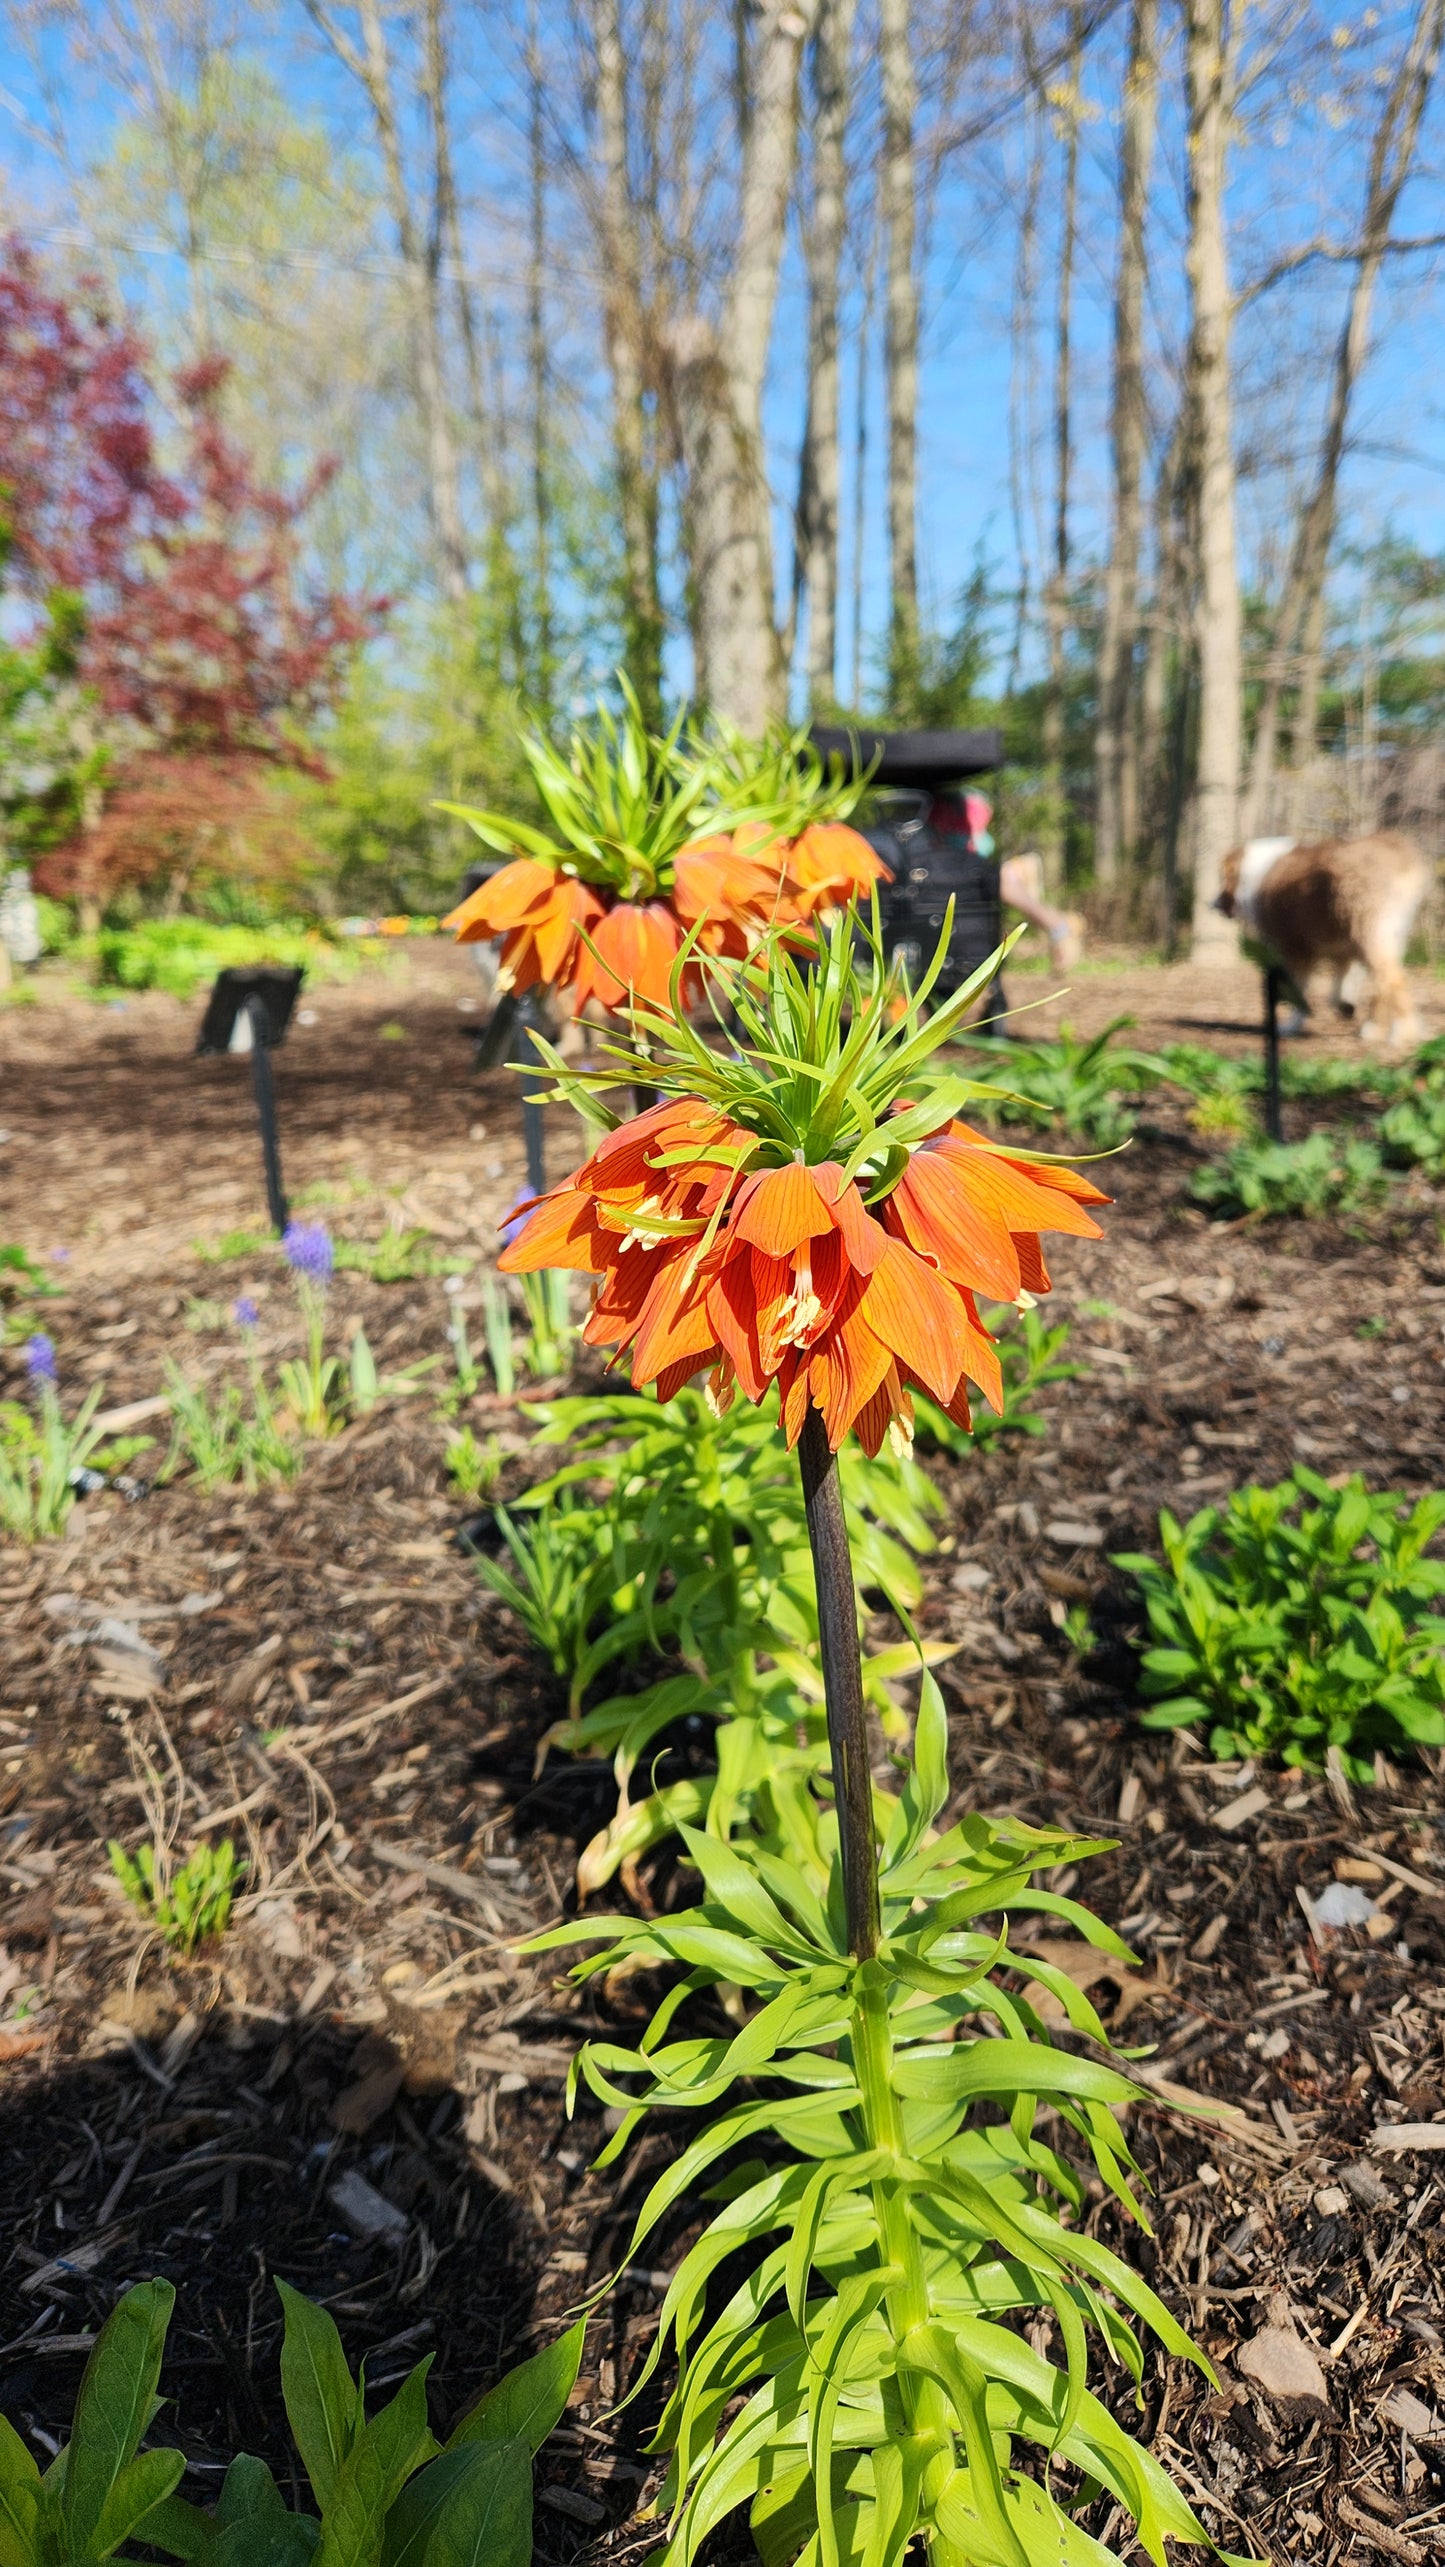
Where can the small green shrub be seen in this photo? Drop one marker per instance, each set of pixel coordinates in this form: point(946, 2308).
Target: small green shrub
point(672, 1533)
point(398, 1256)
point(1083, 1087)
point(1412, 1133)
point(179, 955)
point(384, 2488)
point(1309, 1179)
point(1301, 1618)
point(188, 1906)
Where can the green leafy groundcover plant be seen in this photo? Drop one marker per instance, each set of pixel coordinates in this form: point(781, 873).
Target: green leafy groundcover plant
point(1300, 1618)
point(887, 2206)
point(1325, 1174)
point(387, 2493)
point(1083, 1085)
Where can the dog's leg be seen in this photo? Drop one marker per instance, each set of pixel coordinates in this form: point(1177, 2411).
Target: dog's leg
point(1392, 1018)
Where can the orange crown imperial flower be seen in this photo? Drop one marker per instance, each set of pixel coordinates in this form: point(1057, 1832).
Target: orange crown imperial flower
point(654, 843)
point(811, 1211)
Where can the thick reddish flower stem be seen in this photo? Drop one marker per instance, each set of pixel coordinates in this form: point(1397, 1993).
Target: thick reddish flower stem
point(842, 1683)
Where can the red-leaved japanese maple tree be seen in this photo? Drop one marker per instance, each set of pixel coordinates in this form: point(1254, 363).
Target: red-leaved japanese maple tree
point(204, 649)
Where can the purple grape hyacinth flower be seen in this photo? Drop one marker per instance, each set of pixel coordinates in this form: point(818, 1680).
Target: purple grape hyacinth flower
point(307, 1249)
point(40, 1357)
point(246, 1313)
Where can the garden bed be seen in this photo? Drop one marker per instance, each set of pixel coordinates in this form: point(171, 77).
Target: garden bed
point(329, 1669)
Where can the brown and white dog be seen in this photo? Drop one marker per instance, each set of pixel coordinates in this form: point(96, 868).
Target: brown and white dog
point(1345, 904)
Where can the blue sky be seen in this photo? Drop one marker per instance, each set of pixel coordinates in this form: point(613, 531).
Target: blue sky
point(1297, 173)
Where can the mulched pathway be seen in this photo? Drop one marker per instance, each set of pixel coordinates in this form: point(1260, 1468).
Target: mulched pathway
point(363, 2090)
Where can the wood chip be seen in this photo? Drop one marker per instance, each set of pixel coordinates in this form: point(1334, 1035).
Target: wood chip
point(1402, 1872)
point(1393, 2543)
point(1394, 2137)
point(1235, 1812)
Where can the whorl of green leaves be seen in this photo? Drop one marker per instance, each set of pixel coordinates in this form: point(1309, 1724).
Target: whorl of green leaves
point(820, 1049)
point(886, 2205)
point(622, 800)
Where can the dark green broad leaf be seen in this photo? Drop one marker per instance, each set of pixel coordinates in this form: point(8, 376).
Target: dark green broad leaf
point(323, 2403)
point(19, 2499)
point(113, 2408)
point(372, 2476)
point(529, 2401)
point(486, 2520)
point(266, 2540)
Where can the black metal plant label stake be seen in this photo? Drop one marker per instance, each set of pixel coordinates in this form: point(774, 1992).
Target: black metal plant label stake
point(262, 1000)
point(1273, 988)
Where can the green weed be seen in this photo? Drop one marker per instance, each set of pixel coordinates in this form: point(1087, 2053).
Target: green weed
point(382, 2484)
point(475, 1468)
point(38, 1459)
point(187, 1906)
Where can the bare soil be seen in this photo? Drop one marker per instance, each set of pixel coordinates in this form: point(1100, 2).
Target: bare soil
point(334, 1683)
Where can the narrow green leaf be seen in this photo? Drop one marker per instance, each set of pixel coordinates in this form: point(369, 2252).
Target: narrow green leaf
point(144, 2482)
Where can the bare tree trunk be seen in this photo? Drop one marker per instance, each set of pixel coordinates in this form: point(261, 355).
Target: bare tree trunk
point(1116, 814)
point(625, 324)
point(1021, 392)
point(538, 367)
point(1056, 595)
point(719, 374)
point(447, 237)
point(821, 473)
point(371, 66)
point(1217, 610)
point(1164, 625)
point(1391, 155)
point(897, 199)
point(860, 466)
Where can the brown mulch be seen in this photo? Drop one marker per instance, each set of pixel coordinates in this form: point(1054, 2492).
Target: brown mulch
point(332, 1685)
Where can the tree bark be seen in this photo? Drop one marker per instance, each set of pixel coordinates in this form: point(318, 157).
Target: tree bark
point(897, 200)
point(718, 374)
point(1164, 629)
point(625, 324)
point(1216, 608)
point(821, 465)
point(538, 368)
point(1116, 811)
point(1056, 595)
point(370, 65)
point(1391, 155)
